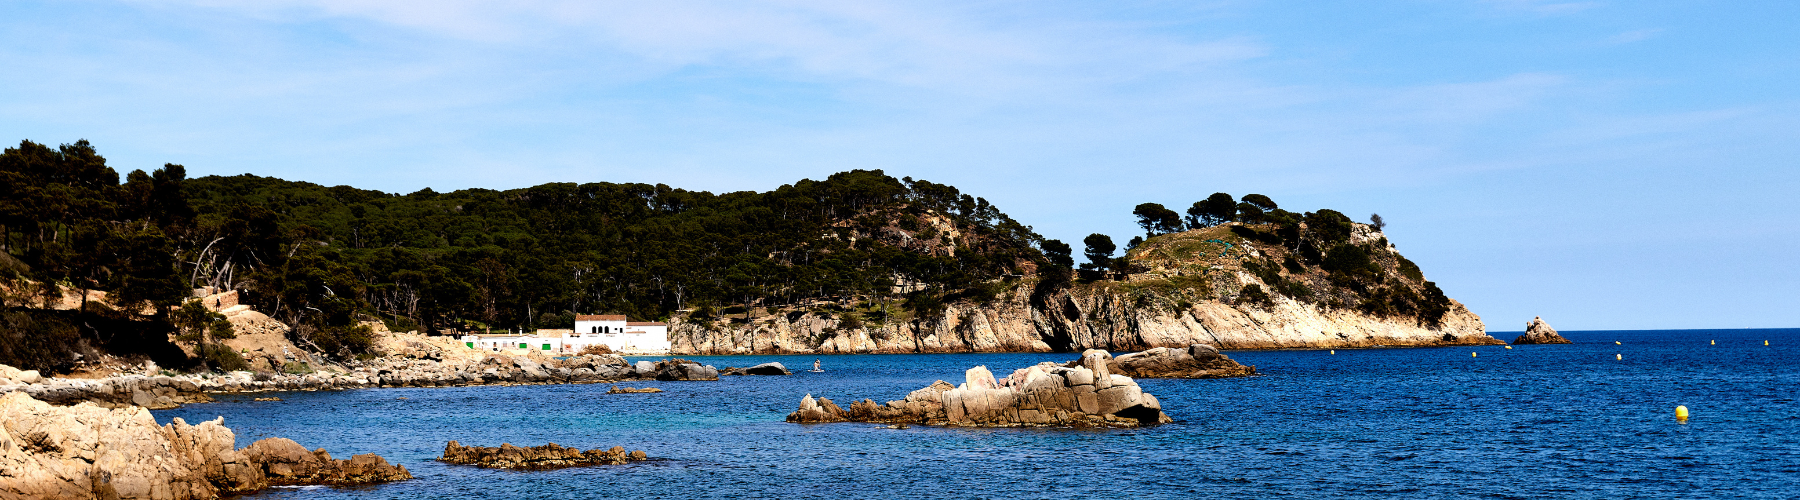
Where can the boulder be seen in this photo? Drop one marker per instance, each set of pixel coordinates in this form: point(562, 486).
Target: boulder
point(1539, 332)
point(548, 456)
point(1045, 395)
point(681, 369)
point(10, 375)
point(772, 368)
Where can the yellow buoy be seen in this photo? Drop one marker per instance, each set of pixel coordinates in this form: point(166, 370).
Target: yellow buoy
point(1509, 347)
point(1620, 357)
point(1681, 412)
point(1715, 342)
point(1334, 351)
point(1618, 342)
point(1471, 355)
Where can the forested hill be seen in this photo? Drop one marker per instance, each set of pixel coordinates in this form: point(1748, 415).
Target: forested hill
point(536, 256)
point(322, 259)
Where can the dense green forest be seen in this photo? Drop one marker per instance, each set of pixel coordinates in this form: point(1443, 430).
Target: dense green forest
point(324, 259)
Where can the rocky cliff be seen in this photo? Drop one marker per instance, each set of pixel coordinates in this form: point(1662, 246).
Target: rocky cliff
point(1225, 286)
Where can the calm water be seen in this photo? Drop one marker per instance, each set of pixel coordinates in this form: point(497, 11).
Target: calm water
point(1531, 422)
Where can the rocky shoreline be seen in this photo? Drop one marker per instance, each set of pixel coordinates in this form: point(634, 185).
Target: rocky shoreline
point(164, 392)
point(86, 451)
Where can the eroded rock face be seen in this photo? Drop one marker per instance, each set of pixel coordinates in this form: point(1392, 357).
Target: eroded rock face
point(1539, 332)
point(1096, 317)
point(1045, 395)
point(85, 451)
point(548, 456)
point(1196, 361)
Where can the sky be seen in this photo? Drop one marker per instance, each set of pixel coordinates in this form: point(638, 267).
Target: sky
point(1602, 164)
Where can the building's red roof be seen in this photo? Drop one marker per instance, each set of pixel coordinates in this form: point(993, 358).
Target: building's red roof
point(600, 317)
point(646, 323)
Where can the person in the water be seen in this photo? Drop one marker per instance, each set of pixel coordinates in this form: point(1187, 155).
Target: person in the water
point(816, 364)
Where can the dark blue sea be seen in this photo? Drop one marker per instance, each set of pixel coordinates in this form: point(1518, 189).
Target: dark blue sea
point(1560, 421)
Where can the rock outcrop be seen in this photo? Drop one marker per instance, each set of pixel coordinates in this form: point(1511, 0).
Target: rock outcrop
point(548, 456)
point(1197, 361)
point(1539, 332)
point(633, 390)
point(286, 463)
point(1045, 395)
point(85, 451)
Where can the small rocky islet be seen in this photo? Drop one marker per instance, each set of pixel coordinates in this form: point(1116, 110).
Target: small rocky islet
point(1085, 392)
point(545, 457)
point(1539, 332)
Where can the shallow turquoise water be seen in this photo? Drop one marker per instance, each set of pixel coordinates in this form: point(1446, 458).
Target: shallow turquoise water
point(1530, 422)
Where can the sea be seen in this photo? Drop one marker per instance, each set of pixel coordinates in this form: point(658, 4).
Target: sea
point(1595, 419)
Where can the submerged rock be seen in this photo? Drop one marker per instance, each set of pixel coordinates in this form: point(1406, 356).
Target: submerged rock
point(85, 451)
point(1539, 332)
point(548, 456)
point(1045, 395)
point(1197, 361)
point(632, 390)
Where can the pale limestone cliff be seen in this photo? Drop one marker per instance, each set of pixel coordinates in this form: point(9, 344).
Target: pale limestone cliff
point(1232, 286)
point(1090, 317)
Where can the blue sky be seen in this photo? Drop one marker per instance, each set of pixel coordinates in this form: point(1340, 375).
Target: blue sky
point(1606, 165)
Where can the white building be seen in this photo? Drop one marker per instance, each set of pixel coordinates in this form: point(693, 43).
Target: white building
point(615, 331)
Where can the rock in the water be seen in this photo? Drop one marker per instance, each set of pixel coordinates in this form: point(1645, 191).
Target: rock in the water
point(1197, 361)
point(1045, 395)
point(85, 451)
point(1539, 332)
point(772, 368)
point(681, 369)
point(632, 390)
point(548, 456)
point(285, 463)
